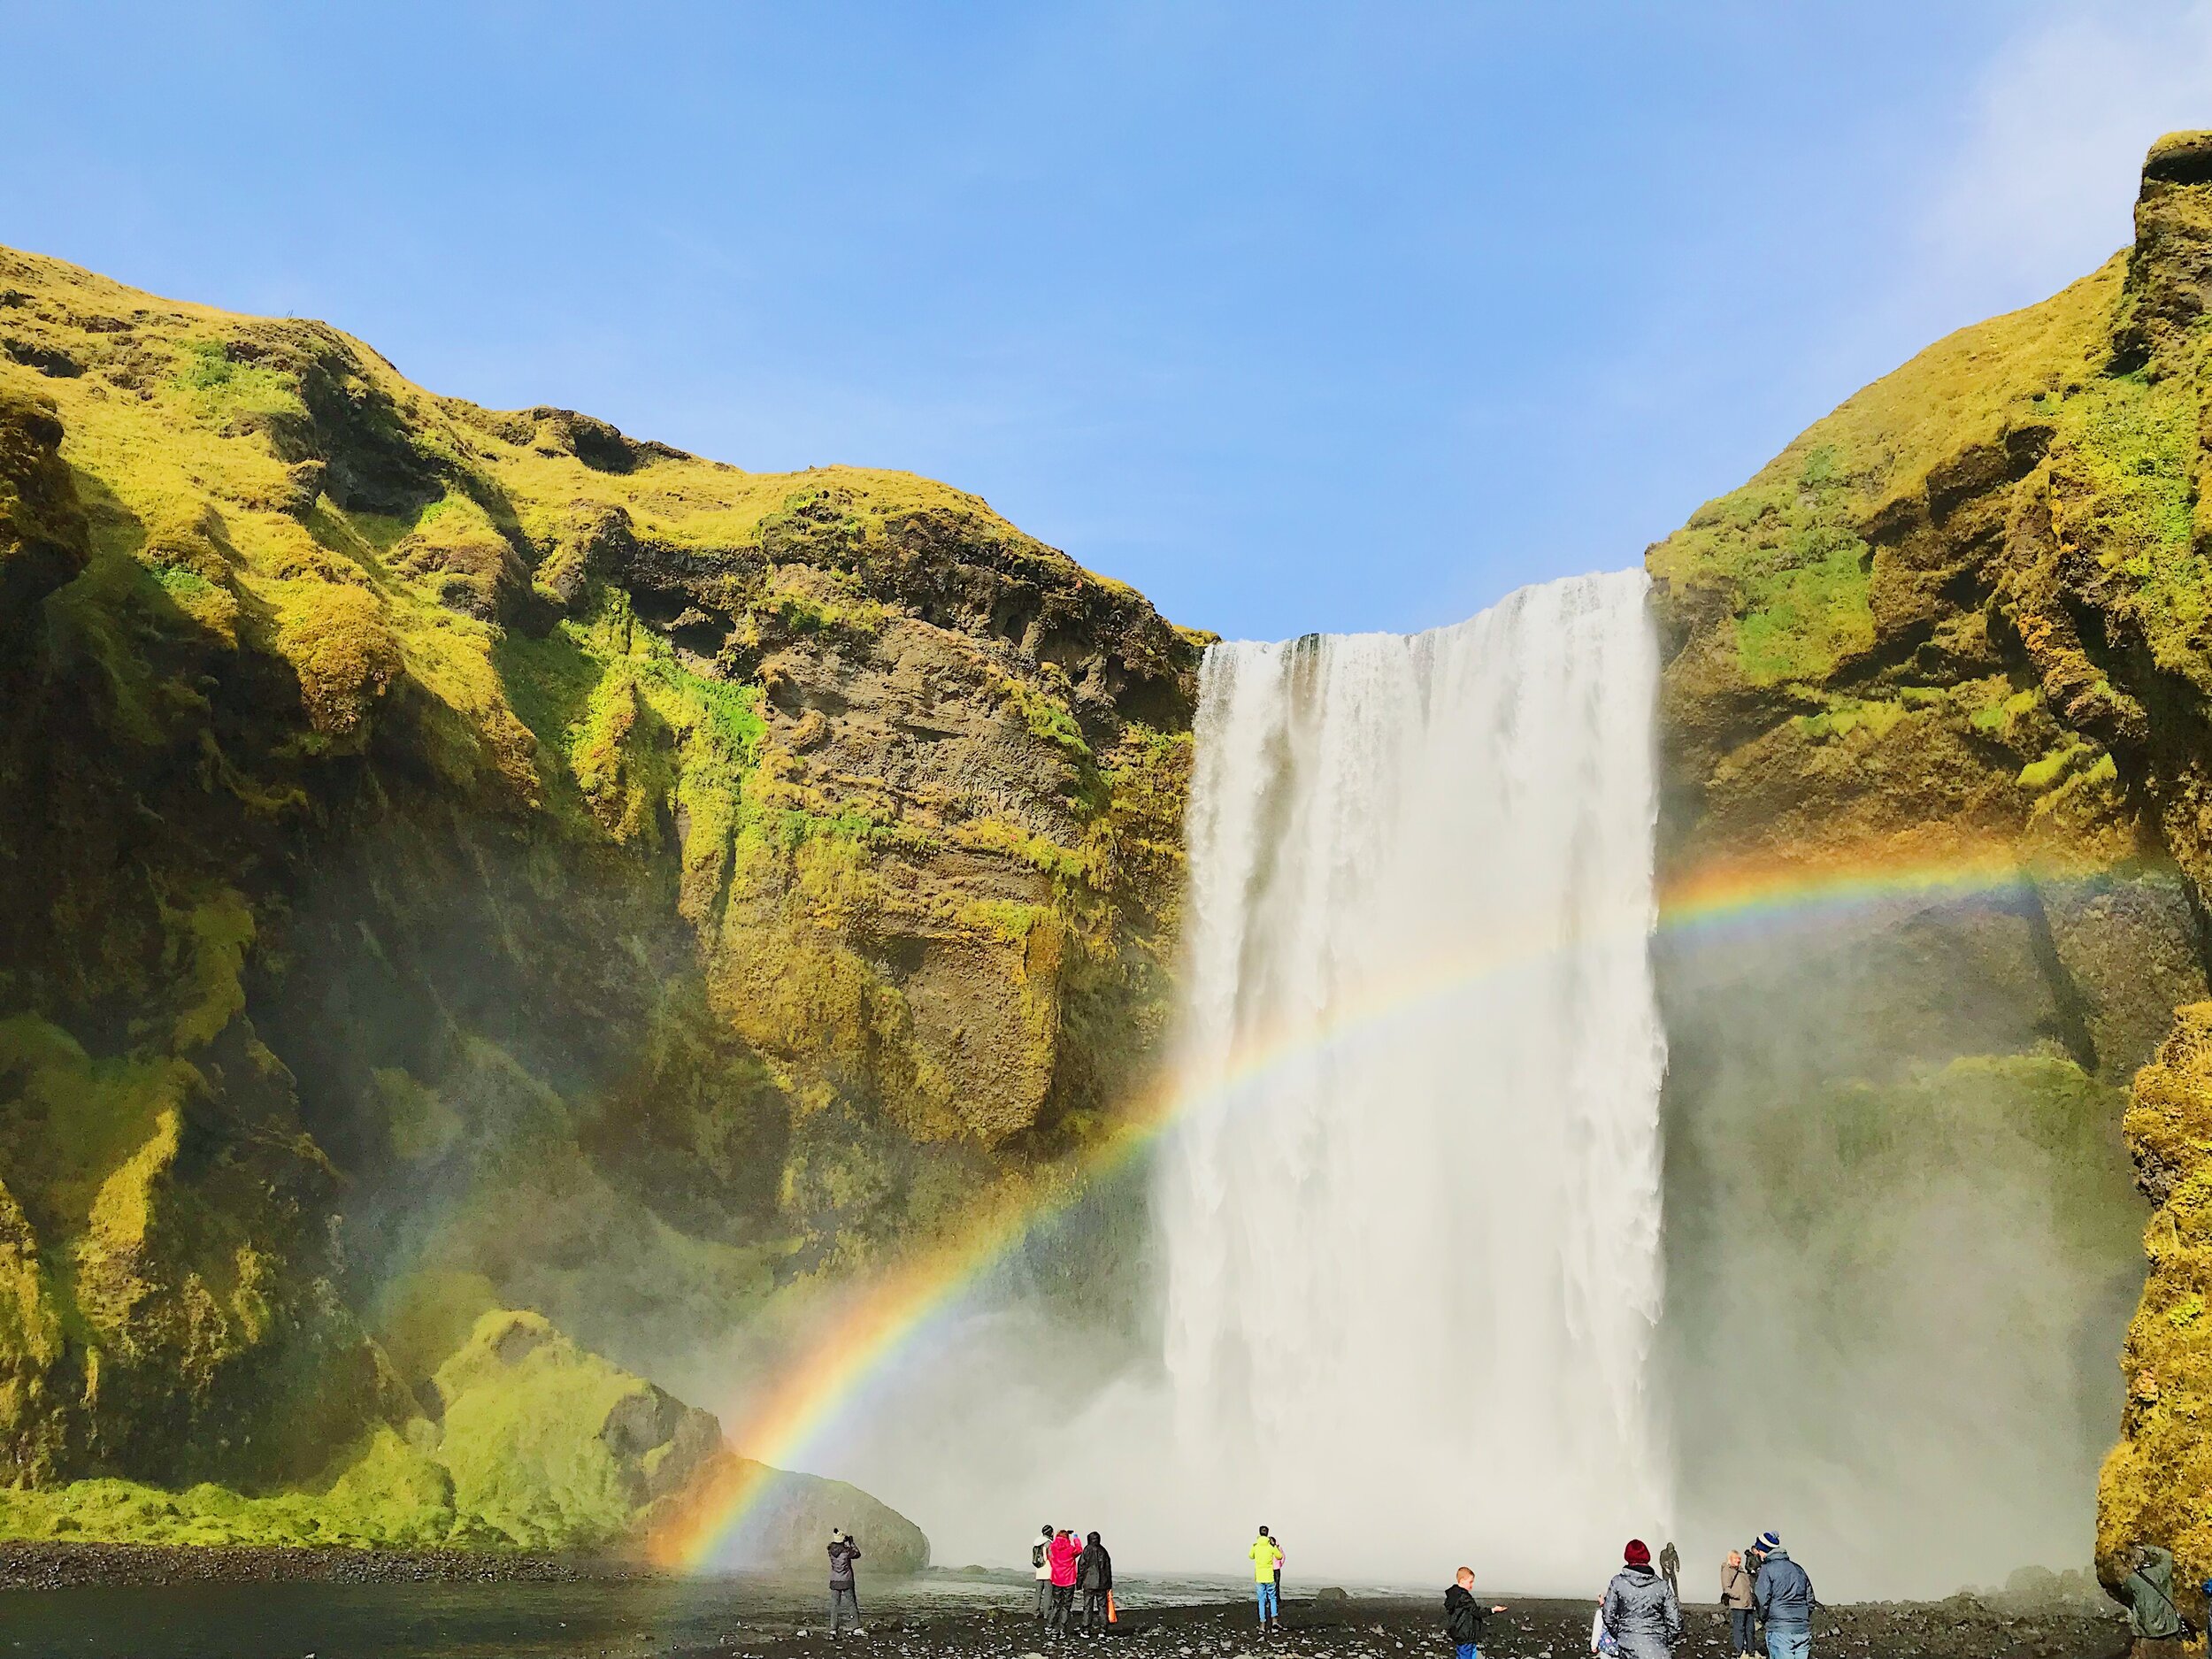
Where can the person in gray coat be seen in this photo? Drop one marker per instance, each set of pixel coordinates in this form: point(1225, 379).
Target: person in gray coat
point(1640, 1611)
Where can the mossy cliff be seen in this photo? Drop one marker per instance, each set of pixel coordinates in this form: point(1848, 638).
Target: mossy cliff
point(1964, 623)
point(461, 860)
point(2157, 1484)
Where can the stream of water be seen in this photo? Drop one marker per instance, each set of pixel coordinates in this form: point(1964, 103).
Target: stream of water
point(1410, 1221)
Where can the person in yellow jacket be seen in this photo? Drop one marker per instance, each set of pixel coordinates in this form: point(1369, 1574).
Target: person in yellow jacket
point(1267, 1562)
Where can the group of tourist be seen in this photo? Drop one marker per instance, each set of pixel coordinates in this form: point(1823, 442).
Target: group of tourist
point(1640, 1616)
point(1064, 1568)
point(1641, 1613)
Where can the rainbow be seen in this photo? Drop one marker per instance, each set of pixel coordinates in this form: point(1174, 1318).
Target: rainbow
point(866, 1333)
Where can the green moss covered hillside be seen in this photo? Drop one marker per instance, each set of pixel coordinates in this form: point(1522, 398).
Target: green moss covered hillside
point(1962, 624)
point(460, 860)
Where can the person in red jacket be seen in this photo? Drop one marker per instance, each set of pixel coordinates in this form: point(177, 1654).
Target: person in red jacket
point(1061, 1555)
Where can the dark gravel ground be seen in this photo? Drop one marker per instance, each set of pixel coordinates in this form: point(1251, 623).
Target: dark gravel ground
point(198, 1603)
point(1961, 1628)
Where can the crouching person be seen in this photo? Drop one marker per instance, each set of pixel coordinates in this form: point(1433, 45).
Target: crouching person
point(2154, 1621)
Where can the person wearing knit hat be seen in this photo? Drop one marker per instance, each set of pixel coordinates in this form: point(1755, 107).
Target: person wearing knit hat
point(1640, 1610)
point(1784, 1596)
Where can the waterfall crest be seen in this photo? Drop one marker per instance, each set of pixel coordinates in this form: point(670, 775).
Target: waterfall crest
point(1410, 1218)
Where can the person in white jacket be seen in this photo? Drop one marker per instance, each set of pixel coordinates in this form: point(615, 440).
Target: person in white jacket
point(1601, 1639)
point(1040, 1563)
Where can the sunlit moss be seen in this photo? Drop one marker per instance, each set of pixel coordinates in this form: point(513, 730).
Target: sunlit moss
point(2152, 1486)
point(2039, 775)
point(1784, 551)
point(223, 390)
point(521, 1435)
point(342, 647)
point(1845, 715)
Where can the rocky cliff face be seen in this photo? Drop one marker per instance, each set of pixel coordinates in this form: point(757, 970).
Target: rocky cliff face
point(1950, 655)
point(2154, 1481)
point(460, 860)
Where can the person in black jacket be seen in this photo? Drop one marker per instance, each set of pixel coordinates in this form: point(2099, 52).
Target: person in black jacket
point(1463, 1615)
point(1094, 1577)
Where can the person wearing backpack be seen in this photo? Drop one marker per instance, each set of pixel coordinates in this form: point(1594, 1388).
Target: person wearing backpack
point(1094, 1577)
point(1040, 1565)
point(2154, 1621)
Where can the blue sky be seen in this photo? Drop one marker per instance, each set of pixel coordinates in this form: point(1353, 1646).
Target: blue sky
point(1295, 317)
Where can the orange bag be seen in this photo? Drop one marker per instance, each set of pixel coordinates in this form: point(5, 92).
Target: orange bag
point(1112, 1616)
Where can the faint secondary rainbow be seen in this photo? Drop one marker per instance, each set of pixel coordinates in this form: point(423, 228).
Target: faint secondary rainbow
point(868, 1331)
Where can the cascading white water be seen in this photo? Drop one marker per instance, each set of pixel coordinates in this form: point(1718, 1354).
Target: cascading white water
point(1410, 1218)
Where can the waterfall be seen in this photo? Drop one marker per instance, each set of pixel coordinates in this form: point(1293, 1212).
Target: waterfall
point(1410, 1218)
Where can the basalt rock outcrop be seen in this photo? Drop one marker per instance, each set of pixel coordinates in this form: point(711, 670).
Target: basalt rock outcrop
point(1940, 676)
point(460, 860)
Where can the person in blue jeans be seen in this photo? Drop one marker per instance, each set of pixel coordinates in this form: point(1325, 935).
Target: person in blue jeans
point(1267, 1556)
point(1463, 1615)
point(1786, 1600)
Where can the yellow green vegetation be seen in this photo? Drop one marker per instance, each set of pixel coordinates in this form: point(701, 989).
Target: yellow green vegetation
point(1789, 554)
point(536, 1445)
point(2021, 507)
point(1970, 604)
point(465, 860)
point(2153, 1483)
point(1962, 623)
